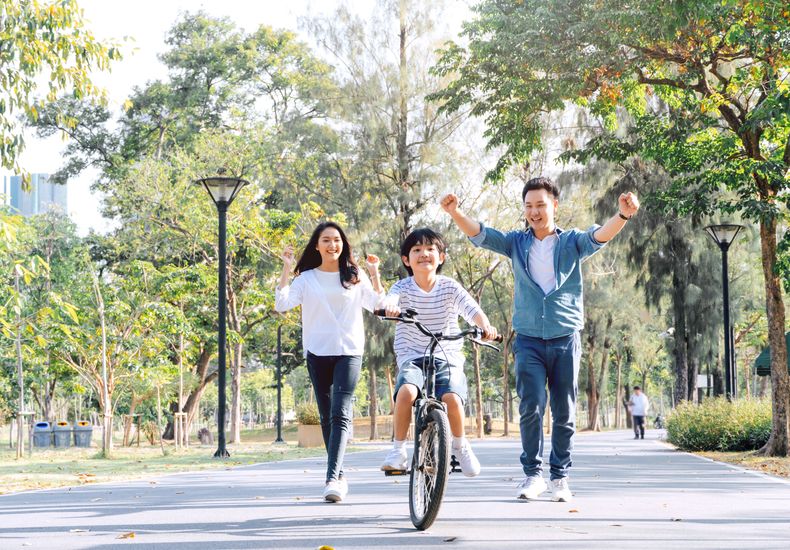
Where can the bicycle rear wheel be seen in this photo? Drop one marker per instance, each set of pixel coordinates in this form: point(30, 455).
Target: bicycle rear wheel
point(430, 467)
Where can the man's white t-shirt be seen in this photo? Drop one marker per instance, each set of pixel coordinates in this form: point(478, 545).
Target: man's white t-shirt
point(541, 262)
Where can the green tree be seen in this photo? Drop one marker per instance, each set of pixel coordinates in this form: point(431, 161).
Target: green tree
point(43, 42)
point(724, 63)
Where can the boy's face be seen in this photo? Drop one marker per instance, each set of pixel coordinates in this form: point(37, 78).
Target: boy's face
point(424, 258)
point(539, 209)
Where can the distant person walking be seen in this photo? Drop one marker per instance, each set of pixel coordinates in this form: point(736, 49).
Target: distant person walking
point(639, 406)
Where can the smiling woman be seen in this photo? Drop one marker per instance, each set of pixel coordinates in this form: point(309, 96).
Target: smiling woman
point(332, 291)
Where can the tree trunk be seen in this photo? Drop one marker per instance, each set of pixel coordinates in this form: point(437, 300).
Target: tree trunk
point(681, 256)
point(478, 391)
point(693, 371)
point(193, 400)
point(506, 380)
point(127, 425)
point(591, 390)
point(374, 404)
point(235, 391)
point(390, 388)
point(780, 380)
point(619, 391)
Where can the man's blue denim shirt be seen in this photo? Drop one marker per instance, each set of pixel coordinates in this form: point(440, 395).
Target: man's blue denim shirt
point(561, 311)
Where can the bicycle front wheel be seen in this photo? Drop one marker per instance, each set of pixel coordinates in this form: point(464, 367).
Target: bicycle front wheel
point(430, 467)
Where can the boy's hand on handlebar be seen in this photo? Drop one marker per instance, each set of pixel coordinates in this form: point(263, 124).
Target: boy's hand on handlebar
point(392, 310)
point(489, 332)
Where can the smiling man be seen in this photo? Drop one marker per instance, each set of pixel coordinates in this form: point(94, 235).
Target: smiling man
point(548, 316)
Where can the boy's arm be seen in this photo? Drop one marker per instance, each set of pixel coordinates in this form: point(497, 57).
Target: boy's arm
point(471, 311)
point(391, 302)
point(485, 237)
point(628, 205)
point(489, 332)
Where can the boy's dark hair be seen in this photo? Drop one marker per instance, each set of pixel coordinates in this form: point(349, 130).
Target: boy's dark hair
point(637, 388)
point(540, 183)
point(422, 236)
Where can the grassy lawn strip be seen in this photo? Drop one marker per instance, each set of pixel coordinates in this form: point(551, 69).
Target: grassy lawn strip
point(77, 466)
point(778, 466)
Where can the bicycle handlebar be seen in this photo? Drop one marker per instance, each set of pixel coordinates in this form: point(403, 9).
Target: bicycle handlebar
point(407, 316)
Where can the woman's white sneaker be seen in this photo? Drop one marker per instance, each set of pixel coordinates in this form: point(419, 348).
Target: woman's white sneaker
point(335, 490)
point(531, 488)
point(560, 490)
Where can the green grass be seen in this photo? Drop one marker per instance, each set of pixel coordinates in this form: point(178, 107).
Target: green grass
point(77, 466)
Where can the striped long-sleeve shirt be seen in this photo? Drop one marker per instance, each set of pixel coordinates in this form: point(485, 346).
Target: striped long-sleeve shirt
point(438, 310)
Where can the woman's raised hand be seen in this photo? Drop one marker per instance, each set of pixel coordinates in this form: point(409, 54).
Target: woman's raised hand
point(372, 262)
point(288, 256)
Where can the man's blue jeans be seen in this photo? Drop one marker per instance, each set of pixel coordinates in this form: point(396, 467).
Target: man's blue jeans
point(334, 380)
point(555, 361)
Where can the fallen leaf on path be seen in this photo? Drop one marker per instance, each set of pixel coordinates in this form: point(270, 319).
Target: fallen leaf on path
point(179, 492)
point(129, 535)
point(325, 547)
point(78, 530)
point(615, 525)
point(259, 498)
point(573, 511)
point(451, 539)
point(676, 519)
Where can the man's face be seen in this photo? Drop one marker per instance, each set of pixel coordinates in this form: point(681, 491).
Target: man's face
point(539, 209)
point(424, 258)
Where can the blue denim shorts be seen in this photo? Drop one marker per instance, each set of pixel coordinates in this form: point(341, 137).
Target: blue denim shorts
point(448, 379)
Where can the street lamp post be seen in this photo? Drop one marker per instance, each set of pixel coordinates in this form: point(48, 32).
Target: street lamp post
point(723, 235)
point(222, 191)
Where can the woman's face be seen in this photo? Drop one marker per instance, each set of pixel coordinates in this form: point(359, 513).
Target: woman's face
point(330, 245)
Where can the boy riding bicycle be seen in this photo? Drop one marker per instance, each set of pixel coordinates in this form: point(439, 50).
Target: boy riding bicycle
point(438, 301)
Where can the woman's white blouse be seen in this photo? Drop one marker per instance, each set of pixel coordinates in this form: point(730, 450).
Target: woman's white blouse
point(324, 331)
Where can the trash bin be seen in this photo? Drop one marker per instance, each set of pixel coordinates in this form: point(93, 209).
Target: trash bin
point(42, 434)
point(62, 434)
point(82, 434)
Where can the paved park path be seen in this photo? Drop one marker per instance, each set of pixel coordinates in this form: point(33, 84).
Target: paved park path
point(628, 494)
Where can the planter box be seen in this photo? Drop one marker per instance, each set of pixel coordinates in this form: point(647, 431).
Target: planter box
point(309, 435)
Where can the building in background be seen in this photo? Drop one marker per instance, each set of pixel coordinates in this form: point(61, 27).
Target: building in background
point(41, 197)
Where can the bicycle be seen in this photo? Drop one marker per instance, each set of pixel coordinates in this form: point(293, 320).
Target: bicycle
point(431, 462)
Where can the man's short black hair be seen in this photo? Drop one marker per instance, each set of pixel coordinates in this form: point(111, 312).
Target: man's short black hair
point(540, 183)
point(422, 236)
point(637, 388)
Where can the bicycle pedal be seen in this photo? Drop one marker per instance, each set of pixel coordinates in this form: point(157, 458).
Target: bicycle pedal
point(389, 473)
point(455, 466)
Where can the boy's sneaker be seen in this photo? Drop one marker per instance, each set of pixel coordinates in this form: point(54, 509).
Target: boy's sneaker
point(395, 459)
point(470, 466)
point(532, 487)
point(560, 490)
point(335, 490)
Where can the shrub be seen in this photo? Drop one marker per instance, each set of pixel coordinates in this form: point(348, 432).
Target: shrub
point(307, 413)
point(720, 425)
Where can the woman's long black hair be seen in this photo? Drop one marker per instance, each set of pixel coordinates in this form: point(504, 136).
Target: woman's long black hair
point(311, 258)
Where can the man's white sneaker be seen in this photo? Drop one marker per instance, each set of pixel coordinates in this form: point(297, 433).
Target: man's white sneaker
point(395, 459)
point(335, 490)
point(560, 490)
point(532, 487)
point(470, 466)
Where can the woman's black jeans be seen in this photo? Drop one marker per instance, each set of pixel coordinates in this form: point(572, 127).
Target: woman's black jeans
point(334, 379)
